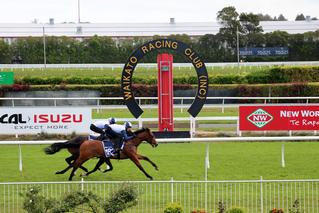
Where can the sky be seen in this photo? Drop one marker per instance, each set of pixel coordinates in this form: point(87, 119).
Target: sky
point(139, 11)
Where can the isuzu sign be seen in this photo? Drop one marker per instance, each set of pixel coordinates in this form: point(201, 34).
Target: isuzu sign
point(56, 120)
point(279, 118)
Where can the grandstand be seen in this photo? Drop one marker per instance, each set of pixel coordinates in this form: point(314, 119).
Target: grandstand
point(118, 31)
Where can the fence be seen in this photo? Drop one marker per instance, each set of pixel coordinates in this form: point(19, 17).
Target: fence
point(180, 102)
point(252, 195)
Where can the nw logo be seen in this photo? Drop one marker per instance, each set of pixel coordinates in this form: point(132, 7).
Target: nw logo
point(260, 118)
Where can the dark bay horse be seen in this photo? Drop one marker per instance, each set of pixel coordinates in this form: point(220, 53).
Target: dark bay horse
point(73, 146)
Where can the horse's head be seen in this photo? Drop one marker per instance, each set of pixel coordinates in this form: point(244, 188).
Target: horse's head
point(147, 135)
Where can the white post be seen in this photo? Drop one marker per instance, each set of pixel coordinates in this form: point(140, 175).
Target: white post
point(140, 122)
point(207, 166)
point(82, 184)
point(20, 159)
point(238, 130)
point(283, 156)
point(172, 190)
point(261, 195)
point(223, 106)
point(182, 103)
point(98, 106)
point(192, 126)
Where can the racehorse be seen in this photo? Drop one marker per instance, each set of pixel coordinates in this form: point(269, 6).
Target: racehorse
point(94, 148)
point(73, 147)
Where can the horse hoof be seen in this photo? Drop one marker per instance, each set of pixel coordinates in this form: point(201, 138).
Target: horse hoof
point(84, 175)
point(151, 178)
point(156, 168)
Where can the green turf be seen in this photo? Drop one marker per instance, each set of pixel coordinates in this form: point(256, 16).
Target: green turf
point(152, 113)
point(228, 160)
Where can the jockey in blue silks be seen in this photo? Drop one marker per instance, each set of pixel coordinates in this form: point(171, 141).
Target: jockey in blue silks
point(123, 132)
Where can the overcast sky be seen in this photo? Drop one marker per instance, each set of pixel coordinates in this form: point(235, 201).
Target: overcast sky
point(99, 11)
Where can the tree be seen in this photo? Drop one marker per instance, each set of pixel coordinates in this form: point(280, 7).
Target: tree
point(250, 23)
point(29, 49)
point(276, 39)
point(4, 53)
point(99, 49)
point(281, 17)
point(300, 17)
point(210, 47)
point(228, 18)
point(266, 17)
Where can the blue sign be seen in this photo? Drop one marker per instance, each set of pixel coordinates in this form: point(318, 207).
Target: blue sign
point(264, 51)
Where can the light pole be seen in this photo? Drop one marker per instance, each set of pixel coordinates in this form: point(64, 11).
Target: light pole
point(44, 49)
point(79, 20)
point(237, 34)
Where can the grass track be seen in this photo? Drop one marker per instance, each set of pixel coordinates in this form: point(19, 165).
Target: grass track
point(229, 161)
point(152, 113)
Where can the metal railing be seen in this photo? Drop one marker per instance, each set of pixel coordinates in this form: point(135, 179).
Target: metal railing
point(253, 196)
point(184, 140)
point(179, 102)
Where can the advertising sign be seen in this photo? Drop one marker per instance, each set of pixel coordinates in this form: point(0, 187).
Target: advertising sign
point(264, 51)
point(155, 46)
point(6, 78)
point(24, 120)
point(260, 118)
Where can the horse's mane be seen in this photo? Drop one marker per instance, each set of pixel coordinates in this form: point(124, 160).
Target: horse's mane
point(141, 130)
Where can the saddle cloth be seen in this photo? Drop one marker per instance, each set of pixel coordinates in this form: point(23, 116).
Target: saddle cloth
point(108, 148)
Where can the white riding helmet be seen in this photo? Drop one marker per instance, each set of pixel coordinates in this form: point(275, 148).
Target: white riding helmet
point(128, 124)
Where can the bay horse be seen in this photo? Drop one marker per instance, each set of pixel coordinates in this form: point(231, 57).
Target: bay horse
point(94, 148)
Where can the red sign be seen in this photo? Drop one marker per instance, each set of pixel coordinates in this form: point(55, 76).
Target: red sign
point(260, 118)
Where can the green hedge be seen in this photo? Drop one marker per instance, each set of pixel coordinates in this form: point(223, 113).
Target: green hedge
point(241, 90)
point(267, 76)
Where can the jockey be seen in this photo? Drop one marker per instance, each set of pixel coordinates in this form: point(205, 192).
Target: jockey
point(122, 132)
point(99, 127)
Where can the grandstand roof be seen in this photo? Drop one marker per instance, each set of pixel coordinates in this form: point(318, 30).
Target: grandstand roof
point(15, 30)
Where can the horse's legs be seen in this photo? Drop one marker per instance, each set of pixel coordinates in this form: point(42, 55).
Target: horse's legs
point(69, 161)
point(108, 162)
point(84, 169)
point(134, 158)
point(97, 166)
point(78, 162)
point(141, 157)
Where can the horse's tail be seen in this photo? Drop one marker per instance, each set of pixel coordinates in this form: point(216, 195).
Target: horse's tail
point(73, 143)
point(50, 150)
